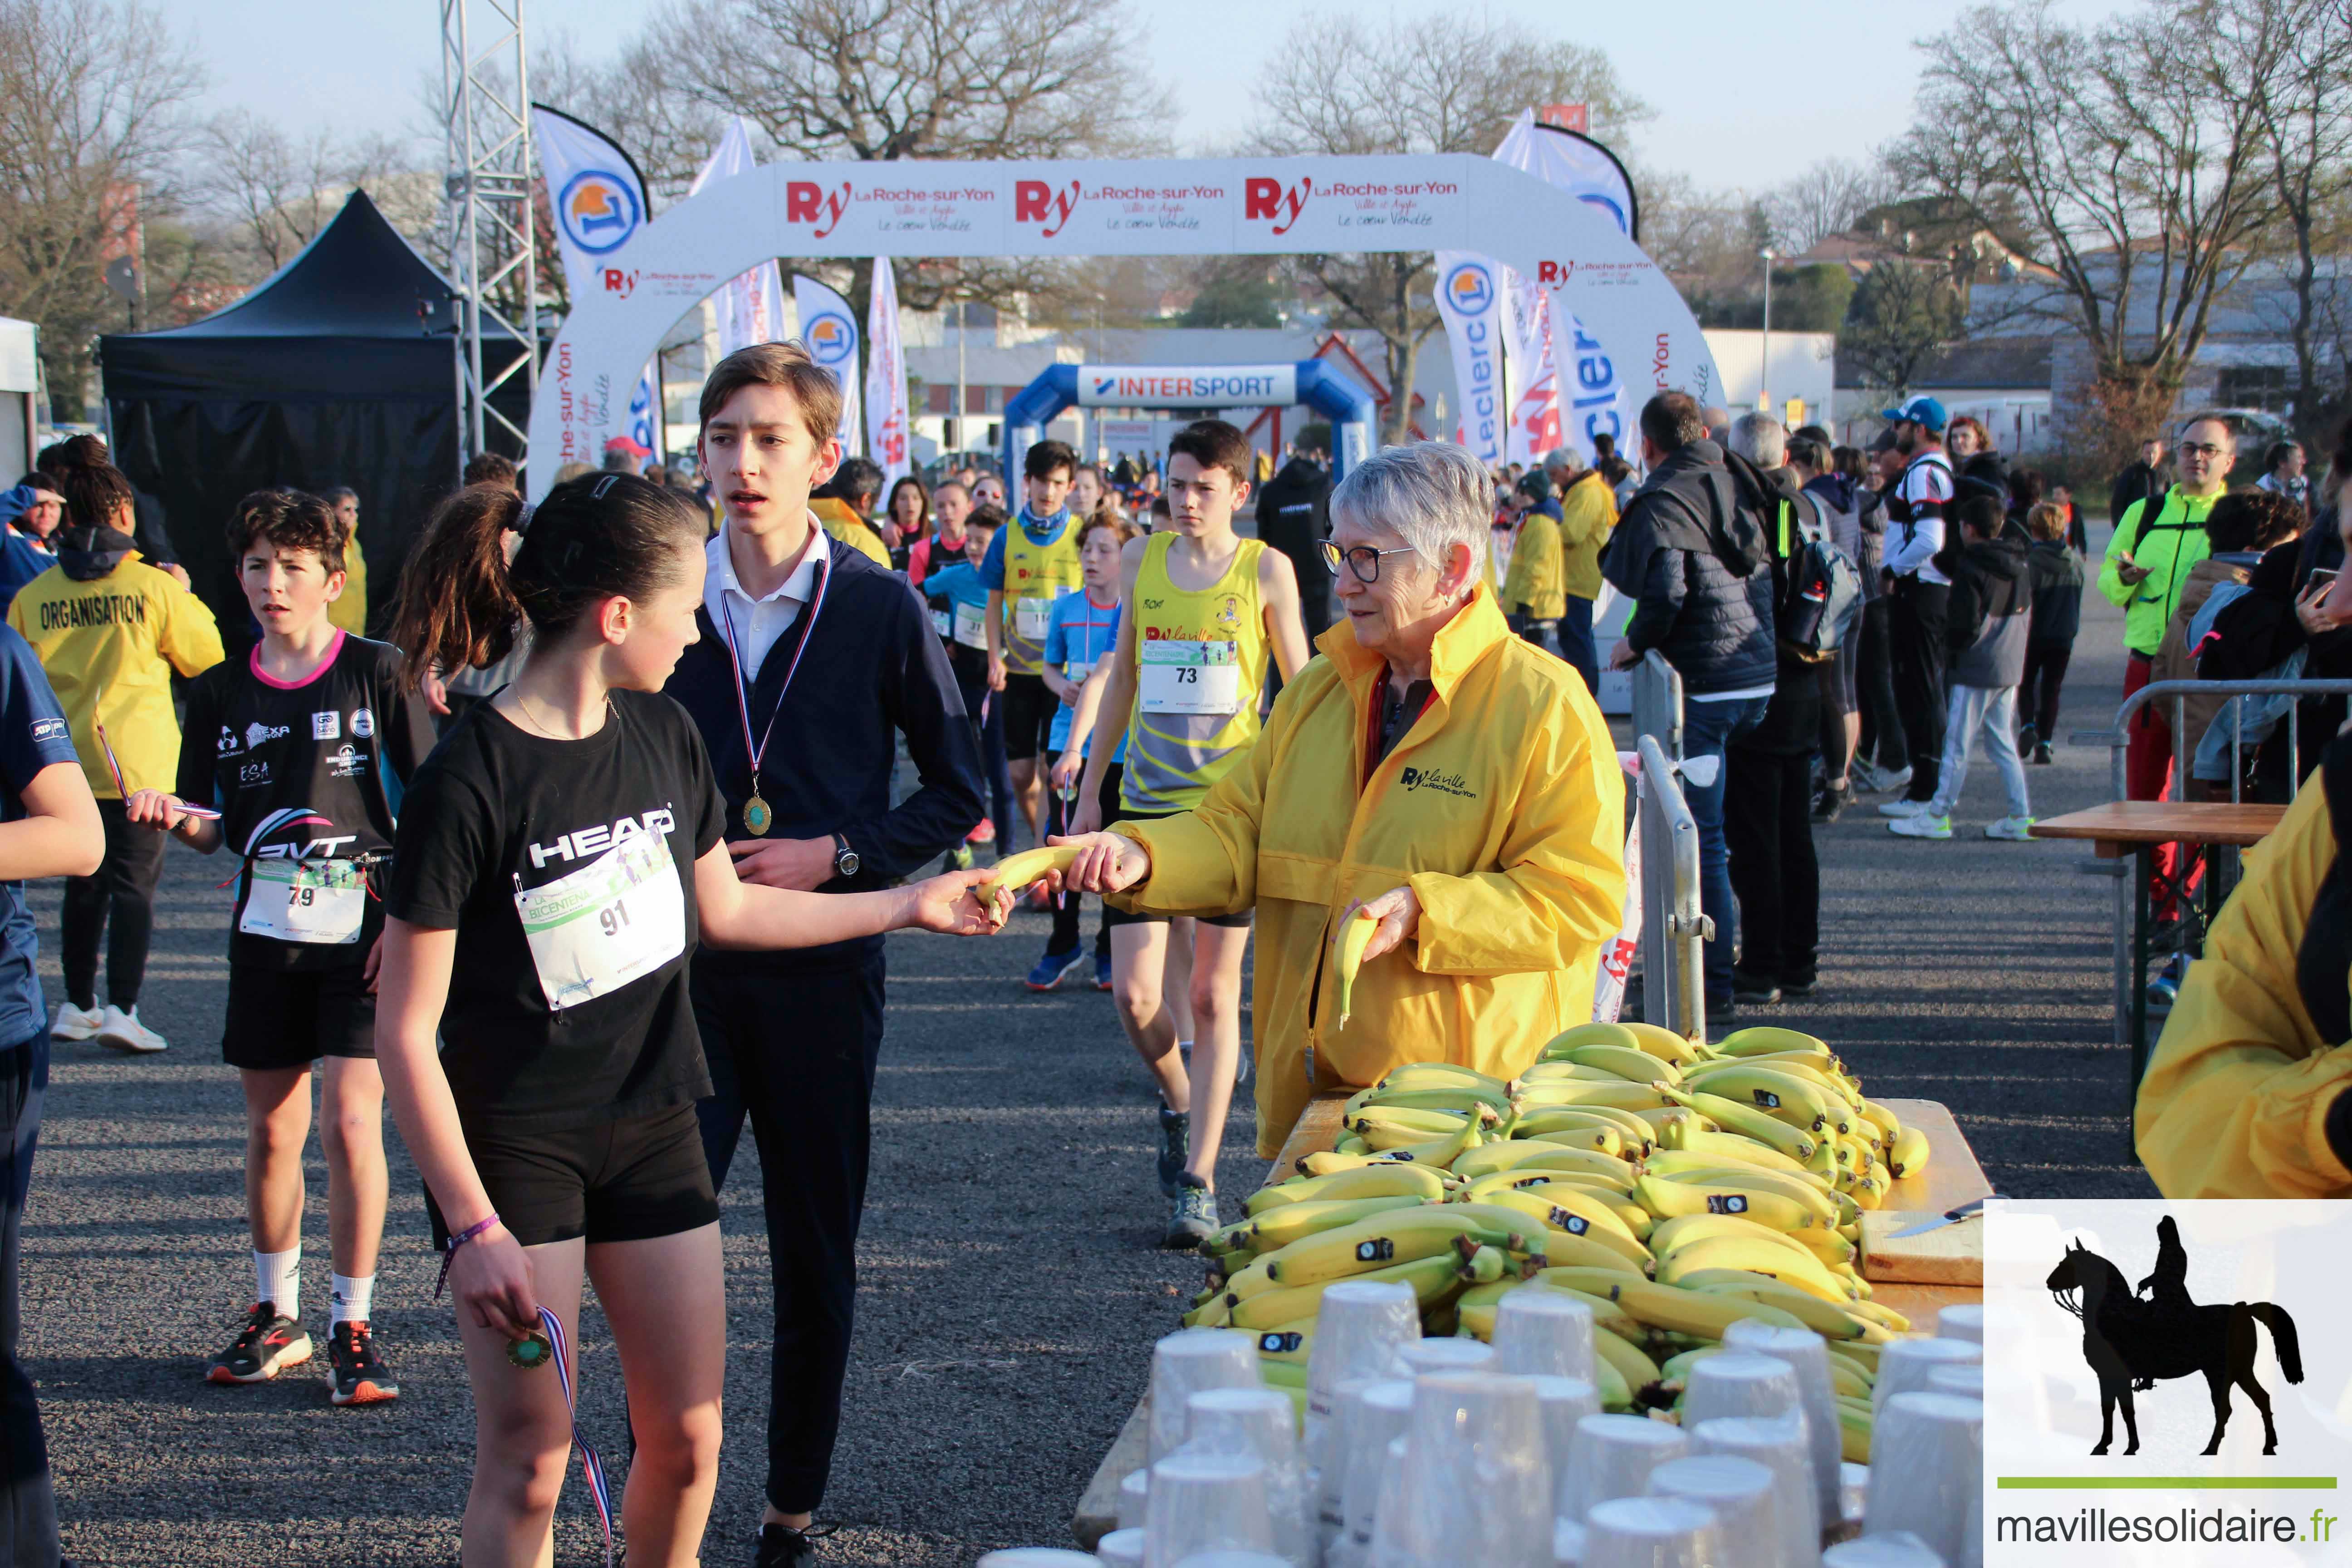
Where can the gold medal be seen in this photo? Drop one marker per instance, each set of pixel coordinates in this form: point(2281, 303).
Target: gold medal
point(757, 816)
point(530, 1352)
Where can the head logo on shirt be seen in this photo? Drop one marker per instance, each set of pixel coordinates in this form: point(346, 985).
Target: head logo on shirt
point(362, 723)
point(257, 734)
point(328, 726)
point(48, 730)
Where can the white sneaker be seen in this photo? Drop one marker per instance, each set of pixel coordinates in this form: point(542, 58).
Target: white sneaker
point(75, 1023)
point(1903, 808)
point(1921, 827)
point(1899, 779)
point(2016, 829)
point(124, 1032)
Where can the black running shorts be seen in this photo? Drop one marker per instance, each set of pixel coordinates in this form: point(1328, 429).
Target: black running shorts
point(1029, 709)
point(280, 1018)
point(632, 1179)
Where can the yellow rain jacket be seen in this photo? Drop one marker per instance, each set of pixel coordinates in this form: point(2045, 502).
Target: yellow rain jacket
point(349, 611)
point(1532, 587)
point(2235, 1101)
point(1504, 808)
point(838, 518)
point(109, 645)
point(1588, 516)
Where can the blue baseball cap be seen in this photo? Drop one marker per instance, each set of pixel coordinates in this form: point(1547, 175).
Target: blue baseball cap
point(1923, 411)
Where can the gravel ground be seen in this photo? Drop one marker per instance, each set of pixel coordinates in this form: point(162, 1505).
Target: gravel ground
point(1009, 1288)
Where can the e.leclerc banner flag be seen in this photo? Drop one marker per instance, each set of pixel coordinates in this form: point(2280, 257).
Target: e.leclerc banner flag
point(886, 379)
point(1469, 296)
point(752, 306)
point(598, 201)
point(830, 330)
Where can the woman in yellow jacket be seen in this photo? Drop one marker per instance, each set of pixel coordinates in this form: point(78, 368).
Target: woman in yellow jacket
point(1457, 782)
point(1588, 516)
point(109, 630)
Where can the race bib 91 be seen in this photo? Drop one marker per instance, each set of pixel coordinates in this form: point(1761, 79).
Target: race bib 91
point(592, 931)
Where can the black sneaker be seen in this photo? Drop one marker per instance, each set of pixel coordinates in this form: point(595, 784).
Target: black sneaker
point(1753, 990)
point(1799, 987)
point(781, 1546)
point(1193, 1218)
point(1830, 804)
point(2041, 752)
point(2027, 737)
point(357, 1374)
point(1175, 1149)
point(269, 1344)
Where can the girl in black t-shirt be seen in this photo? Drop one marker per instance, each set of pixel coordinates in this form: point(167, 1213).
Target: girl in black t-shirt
point(557, 859)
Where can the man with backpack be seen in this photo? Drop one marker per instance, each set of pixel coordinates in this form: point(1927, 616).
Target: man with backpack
point(1692, 557)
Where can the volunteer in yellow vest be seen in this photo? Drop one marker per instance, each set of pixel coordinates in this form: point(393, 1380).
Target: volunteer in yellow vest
point(1532, 596)
point(1030, 565)
point(1430, 768)
point(109, 630)
point(349, 611)
point(2156, 543)
point(1204, 610)
point(842, 504)
point(1588, 516)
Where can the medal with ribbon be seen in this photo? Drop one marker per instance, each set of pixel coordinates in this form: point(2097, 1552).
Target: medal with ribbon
point(758, 816)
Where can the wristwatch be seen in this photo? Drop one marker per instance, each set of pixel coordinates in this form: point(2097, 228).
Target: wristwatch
point(845, 859)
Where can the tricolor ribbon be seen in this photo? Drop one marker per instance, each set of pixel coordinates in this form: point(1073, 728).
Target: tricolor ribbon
point(590, 1465)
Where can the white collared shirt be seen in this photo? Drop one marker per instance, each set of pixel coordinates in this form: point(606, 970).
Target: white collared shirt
point(757, 623)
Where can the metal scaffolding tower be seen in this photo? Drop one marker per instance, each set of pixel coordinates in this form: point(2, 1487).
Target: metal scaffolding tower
point(493, 253)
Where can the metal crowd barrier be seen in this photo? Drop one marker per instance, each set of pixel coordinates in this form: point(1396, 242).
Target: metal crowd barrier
point(1674, 927)
point(2119, 744)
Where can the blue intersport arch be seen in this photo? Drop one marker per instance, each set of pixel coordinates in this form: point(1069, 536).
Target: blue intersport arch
point(1315, 385)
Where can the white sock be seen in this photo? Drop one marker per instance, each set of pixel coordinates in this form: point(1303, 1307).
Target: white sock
point(351, 1301)
point(278, 1279)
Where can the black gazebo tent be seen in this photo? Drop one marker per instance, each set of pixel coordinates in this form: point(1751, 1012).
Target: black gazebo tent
point(338, 370)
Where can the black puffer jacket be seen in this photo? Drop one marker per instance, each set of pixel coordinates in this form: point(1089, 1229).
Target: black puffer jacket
point(1691, 553)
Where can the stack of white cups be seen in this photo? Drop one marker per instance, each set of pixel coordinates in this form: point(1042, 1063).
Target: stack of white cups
point(1371, 1418)
point(1475, 1485)
point(1121, 1549)
point(1781, 1446)
point(1612, 1456)
point(1927, 1473)
point(1206, 1502)
point(1420, 1358)
point(1360, 1325)
point(1965, 1380)
point(1738, 1492)
point(1256, 1424)
point(1038, 1557)
point(1807, 1355)
point(1543, 1333)
point(1192, 1362)
point(1565, 1401)
point(1899, 1550)
point(1134, 1496)
point(1652, 1533)
point(1964, 1321)
point(1903, 1366)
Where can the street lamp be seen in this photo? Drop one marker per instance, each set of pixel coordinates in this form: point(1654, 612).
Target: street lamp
point(1764, 352)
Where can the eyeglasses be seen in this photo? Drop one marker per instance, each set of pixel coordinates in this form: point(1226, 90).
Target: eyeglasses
point(1363, 560)
point(2200, 449)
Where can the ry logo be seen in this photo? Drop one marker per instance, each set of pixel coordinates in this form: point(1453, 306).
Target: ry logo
point(1554, 271)
point(807, 201)
point(1034, 201)
point(1262, 198)
point(620, 281)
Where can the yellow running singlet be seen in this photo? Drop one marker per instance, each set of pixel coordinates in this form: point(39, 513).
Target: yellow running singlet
point(1200, 666)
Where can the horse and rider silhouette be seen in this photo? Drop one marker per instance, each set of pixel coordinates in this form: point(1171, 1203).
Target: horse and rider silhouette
point(2167, 1335)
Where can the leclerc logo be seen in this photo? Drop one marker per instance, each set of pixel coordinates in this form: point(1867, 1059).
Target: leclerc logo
point(831, 340)
point(1035, 201)
point(1470, 289)
point(807, 202)
point(598, 212)
point(1266, 199)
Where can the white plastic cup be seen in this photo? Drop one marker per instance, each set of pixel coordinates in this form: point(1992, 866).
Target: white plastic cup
point(1900, 1549)
point(1257, 1424)
point(1477, 1487)
point(1961, 1321)
point(1612, 1455)
point(1927, 1471)
point(1740, 1385)
point(1903, 1366)
point(1121, 1549)
point(1419, 1357)
point(1808, 1356)
point(1331, 1473)
point(1206, 1502)
point(1134, 1496)
point(1039, 1557)
point(1191, 1361)
point(1235, 1560)
point(1651, 1533)
point(1377, 1550)
point(1853, 1493)
point(1374, 1419)
point(1779, 1446)
point(1566, 1543)
point(1739, 1493)
point(1963, 1378)
point(1543, 1333)
point(1564, 1402)
point(1359, 1327)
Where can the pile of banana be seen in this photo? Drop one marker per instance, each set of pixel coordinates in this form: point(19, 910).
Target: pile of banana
point(1673, 1187)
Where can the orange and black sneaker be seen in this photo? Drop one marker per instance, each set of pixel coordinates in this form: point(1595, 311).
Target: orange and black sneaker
point(359, 1373)
point(267, 1346)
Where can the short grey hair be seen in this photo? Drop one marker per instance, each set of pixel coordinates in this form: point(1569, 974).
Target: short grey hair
point(1430, 494)
point(1761, 439)
point(1562, 460)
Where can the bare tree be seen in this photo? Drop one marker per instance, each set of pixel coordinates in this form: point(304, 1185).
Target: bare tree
point(1828, 198)
point(90, 95)
point(280, 190)
point(2289, 64)
point(1336, 85)
point(2141, 192)
point(1905, 313)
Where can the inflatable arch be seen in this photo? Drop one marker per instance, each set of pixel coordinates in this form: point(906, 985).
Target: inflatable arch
point(1348, 408)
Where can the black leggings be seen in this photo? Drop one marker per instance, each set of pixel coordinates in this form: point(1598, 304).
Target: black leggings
point(124, 889)
point(1066, 908)
point(2045, 672)
point(1881, 725)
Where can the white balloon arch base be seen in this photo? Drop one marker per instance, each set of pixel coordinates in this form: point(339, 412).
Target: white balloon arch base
point(1207, 207)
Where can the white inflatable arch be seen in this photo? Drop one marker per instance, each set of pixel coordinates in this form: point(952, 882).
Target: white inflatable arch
point(1213, 206)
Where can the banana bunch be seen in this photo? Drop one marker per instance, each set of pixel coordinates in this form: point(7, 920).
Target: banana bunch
point(1674, 1188)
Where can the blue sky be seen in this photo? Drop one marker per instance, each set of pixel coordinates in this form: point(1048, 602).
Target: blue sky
point(1745, 94)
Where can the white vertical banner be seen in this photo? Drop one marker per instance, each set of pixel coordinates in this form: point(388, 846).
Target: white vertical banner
point(886, 378)
point(598, 201)
point(830, 330)
point(1535, 427)
point(1470, 298)
point(752, 306)
point(1588, 397)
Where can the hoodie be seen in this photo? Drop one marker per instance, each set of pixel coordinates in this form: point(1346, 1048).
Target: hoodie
point(1991, 608)
point(1690, 551)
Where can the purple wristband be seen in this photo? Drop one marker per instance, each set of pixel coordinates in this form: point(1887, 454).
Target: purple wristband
point(450, 1251)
